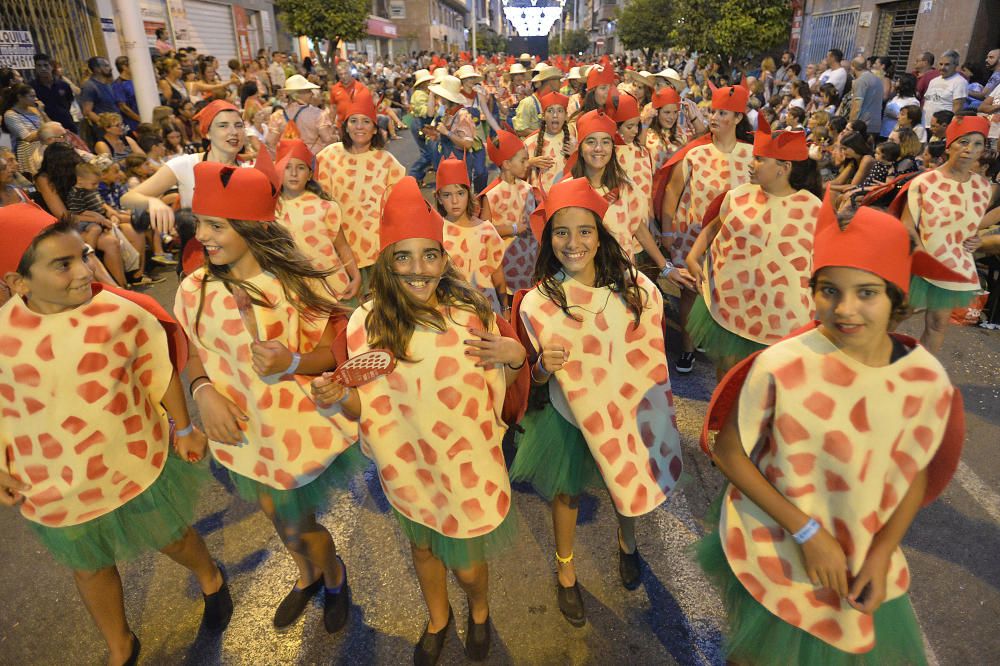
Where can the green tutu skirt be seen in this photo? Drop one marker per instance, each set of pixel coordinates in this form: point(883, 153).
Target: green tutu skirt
point(291, 505)
point(758, 637)
point(718, 342)
point(153, 519)
point(461, 553)
point(923, 294)
point(553, 456)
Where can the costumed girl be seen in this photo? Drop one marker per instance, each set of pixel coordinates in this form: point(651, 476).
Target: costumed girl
point(600, 81)
point(753, 259)
point(313, 220)
point(636, 162)
point(943, 209)
point(442, 468)
point(832, 439)
point(507, 203)
point(250, 376)
point(550, 146)
point(98, 485)
point(706, 168)
point(593, 326)
point(665, 136)
point(356, 172)
point(473, 245)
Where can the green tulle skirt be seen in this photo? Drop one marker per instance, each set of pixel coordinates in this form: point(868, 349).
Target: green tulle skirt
point(553, 456)
point(461, 553)
point(923, 294)
point(151, 520)
point(756, 636)
point(292, 505)
point(718, 342)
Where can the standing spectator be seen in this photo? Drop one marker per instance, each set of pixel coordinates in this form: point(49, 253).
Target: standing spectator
point(276, 71)
point(55, 94)
point(173, 92)
point(23, 120)
point(835, 74)
point(993, 67)
point(209, 85)
point(906, 95)
point(781, 77)
point(925, 72)
point(948, 91)
point(124, 89)
point(990, 107)
point(866, 94)
point(301, 118)
point(97, 95)
point(162, 45)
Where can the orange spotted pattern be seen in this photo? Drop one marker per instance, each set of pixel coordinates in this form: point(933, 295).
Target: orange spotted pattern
point(660, 151)
point(80, 414)
point(638, 166)
point(358, 183)
point(758, 267)
point(288, 440)
point(551, 147)
point(314, 224)
point(433, 428)
point(512, 203)
point(842, 441)
point(615, 387)
point(477, 252)
point(947, 212)
point(708, 172)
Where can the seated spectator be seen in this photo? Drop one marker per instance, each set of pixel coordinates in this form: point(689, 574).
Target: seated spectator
point(794, 119)
point(112, 140)
point(886, 157)
point(189, 126)
point(910, 118)
point(905, 96)
point(975, 74)
point(829, 98)
point(939, 125)
point(818, 119)
point(910, 148)
point(22, 118)
point(837, 126)
point(852, 157)
point(173, 141)
point(153, 147)
point(112, 187)
point(10, 193)
point(820, 150)
point(934, 155)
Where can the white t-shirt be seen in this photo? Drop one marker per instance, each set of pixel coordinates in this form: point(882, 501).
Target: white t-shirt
point(995, 116)
point(183, 168)
point(941, 92)
point(836, 77)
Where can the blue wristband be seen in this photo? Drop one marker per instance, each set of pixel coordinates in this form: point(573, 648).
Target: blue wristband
point(184, 432)
point(807, 532)
point(294, 365)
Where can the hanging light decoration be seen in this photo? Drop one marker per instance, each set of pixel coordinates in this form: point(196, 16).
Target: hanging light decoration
point(530, 20)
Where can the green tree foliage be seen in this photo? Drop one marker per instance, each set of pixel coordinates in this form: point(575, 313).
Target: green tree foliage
point(334, 20)
point(571, 42)
point(736, 27)
point(645, 25)
point(489, 42)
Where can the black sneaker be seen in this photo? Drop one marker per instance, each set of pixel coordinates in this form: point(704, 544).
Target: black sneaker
point(291, 606)
point(571, 604)
point(337, 605)
point(685, 362)
point(477, 639)
point(218, 606)
point(628, 567)
point(429, 647)
point(133, 658)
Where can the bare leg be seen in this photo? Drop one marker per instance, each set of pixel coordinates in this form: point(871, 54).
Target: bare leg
point(431, 576)
point(191, 553)
point(297, 539)
point(102, 595)
point(564, 513)
point(688, 298)
point(476, 582)
point(935, 325)
point(108, 244)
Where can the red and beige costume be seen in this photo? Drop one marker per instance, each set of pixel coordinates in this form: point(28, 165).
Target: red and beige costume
point(553, 145)
point(636, 162)
point(659, 144)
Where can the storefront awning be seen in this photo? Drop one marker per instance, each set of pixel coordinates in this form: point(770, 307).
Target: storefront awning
point(380, 27)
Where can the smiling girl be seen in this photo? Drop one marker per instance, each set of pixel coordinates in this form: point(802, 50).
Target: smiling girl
point(665, 136)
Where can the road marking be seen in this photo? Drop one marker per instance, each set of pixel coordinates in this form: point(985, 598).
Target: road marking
point(980, 492)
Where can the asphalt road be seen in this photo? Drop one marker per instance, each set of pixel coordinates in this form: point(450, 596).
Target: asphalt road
point(674, 617)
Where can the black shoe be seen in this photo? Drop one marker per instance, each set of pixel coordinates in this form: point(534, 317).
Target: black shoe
point(133, 657)
point(685, 363)
point(292, 605)
point(628, 567)
point(428, 648)
point(477, 639)
point(337, 606)
point(571, 604)
point(218, 606)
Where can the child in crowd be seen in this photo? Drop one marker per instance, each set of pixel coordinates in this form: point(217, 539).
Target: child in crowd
point(794, 119)
point(933, 155)
point(155, 149)
point(887, 156)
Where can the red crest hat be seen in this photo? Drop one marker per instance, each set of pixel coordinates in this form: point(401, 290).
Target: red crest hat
point(406, 214)
point(361, 104)
point(554, 99)
point(875, 242)
point(289, 148)
point(664, 96)
point(962, 125)
point(593, 122)
point(789, 146)
point(21, 223)
point(574, 193)
point(503, 146)
point(452, 171)
point(234, 193)
point(623, 107)
point(600, 75)
point(210, 111)
point(730, 98)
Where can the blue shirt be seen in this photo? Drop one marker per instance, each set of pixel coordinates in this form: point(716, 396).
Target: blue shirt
point(101, 94)
point(57, 98)
point(125, 92)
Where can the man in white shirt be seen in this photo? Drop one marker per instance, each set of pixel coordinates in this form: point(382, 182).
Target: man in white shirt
point(835, 74)
point(276, 70)
point(948, 91)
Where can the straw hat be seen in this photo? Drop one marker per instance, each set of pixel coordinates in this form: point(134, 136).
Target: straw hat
point(574, 74)
point(643, 77)
point(517, 68)
point(298, 83)
point(449, 88)
point(524, 56)
point(670, 75)
point(539, 66)
point(467, 72)
point(440, 73)
point(545, 73)
point(422, 76)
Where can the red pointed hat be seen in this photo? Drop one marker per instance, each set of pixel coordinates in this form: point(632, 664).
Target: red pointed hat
point(406, 214)
point(600, 75)
point(292, 148)
point(664, 96)
point(962, 125)
point(730, 98)
point(223, 190)
point(210, 111)
point(361, 104)
point(574, 193)
point(554, 99)
point(503, 146)
point(593, 122)
point(875, 242)
point(789, 146)
point(624, 107)
point(452, 171)
point(21, 223)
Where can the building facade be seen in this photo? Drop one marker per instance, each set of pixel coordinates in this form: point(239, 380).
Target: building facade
point(430, 25)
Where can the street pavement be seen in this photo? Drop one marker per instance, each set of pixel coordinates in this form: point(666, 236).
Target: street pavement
point(674, 617)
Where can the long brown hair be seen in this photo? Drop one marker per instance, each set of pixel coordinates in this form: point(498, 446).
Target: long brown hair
point(276, 252)
point(614, 176)
point(395, 314)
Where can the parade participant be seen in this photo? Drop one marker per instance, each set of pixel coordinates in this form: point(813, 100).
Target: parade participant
point(474, 247)
point(313, 220)
point(507, 203)
point(550, 146)
point(757, 252)
point(479, 109)
point(609, 419)
point(635, 161)
point(528, 118)
point(356, 172)
point(943, 209)
point(98, 485)
point(708, 167)
point(665, 136)
point(574, 88)
point(442, 469)
point(422, 114)
point(300, 118)
point(249, 380)
point(455, 124)
point(600, 80)
point(806, 551)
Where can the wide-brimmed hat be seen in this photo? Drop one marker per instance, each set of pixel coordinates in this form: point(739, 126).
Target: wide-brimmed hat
point(546, 73)
point(297, 82)
point(524, 56)
point(643, 77)
point(467, 72)
point(439, 73)
point(574, 74)
point(517, 68)
point(421, 76)
point(449, 88)
point(670, 75)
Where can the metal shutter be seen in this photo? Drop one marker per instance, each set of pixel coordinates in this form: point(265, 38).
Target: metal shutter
point(211, 32)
